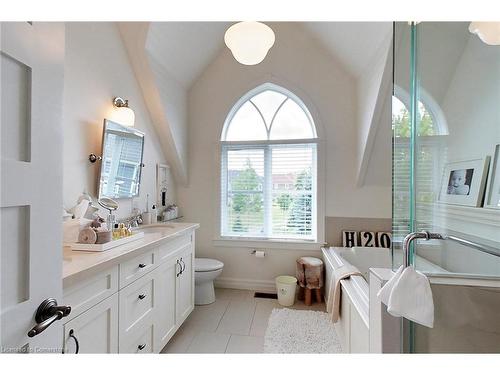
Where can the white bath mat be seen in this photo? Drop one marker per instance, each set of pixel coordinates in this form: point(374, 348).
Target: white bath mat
point(300, 331)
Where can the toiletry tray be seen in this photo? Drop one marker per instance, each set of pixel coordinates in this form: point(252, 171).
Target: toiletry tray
point(107, 245)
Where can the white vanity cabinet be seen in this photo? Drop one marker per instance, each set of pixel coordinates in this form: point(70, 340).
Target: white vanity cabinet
point(95, 330)
point(184, 302)
point(135, 306)
point(166, 292)
point(174, 292)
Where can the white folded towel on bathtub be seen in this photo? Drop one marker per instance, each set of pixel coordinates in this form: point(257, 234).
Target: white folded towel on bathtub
point(408, 294)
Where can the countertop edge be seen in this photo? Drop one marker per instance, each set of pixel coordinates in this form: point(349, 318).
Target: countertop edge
point(68, 277)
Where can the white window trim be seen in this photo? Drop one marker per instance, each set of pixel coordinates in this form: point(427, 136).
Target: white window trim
point(430, 105)
point(259, 89)
point(280, 244)
point(320, 181)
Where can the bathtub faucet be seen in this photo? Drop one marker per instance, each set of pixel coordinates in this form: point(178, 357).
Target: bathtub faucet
point(425, 235)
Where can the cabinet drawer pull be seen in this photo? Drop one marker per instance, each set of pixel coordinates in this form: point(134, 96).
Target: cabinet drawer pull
point(142, 265)
point(142, 296)
point(178, 273)
point(77, 344)
point(141, 346)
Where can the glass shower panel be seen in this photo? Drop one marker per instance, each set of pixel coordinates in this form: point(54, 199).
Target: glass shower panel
point(403, 202)
point(454, 116)
point(457, 131)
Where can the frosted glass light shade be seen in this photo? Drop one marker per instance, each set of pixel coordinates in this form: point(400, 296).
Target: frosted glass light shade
point(488, 32)
point(123, 116)
point(249, 41)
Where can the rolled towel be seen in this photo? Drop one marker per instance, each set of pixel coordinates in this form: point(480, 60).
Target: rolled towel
point(87, 235)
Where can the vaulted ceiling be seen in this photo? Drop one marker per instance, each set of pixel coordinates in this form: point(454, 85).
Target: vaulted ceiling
point(169, 57)
point(354, 44)
point(185, 49)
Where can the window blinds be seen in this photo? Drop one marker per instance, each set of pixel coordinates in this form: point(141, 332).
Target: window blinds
point(430, 155)
point(269, 191)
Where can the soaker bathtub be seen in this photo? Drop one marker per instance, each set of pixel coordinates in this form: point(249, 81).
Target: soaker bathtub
point(353, 327)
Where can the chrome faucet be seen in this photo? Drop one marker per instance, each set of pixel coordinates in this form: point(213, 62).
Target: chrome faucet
point(133, 221)
point(425, 235)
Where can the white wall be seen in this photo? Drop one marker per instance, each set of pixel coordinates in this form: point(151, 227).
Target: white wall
point(173, 97)
point(298, 63)
point(96, 70)
point(374, 86)
point(472, 101)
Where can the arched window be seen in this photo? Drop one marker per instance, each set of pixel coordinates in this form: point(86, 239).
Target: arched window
point(268, 169)
point(431, 124)
point(430, 119)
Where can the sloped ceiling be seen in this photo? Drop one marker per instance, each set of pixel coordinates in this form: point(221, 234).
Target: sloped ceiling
point(168, 58)
point(185, 48)
point(354, 44)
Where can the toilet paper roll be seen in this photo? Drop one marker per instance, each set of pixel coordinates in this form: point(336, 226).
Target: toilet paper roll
point(260, 254)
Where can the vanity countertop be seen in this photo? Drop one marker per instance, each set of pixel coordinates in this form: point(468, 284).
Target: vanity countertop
point(79, 263)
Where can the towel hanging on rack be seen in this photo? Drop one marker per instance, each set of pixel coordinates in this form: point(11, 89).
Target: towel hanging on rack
point(408, 294)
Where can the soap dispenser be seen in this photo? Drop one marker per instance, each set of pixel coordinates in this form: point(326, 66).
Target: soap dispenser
point(154, 217)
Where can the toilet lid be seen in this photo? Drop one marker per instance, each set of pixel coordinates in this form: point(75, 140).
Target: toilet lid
point(207, 264)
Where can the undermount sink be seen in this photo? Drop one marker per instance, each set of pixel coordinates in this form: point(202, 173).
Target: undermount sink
point(152, 228)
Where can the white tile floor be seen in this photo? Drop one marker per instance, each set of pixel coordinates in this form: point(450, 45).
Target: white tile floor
point(235, 323)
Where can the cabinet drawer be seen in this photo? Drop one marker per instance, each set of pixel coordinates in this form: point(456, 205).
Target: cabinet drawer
point(171, 247)
point(134, 268)
point(84, 294)
point(137, 302)
point(139, 341)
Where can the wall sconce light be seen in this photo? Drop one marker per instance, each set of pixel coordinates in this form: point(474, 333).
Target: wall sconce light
point(122, 113)
point(488, 32)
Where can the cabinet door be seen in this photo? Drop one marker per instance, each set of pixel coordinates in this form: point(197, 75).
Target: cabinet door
point(165, 284)
point(96, 330)
point(185, 286)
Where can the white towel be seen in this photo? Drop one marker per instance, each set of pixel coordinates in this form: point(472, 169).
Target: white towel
point(408, 294)
point(385, 292)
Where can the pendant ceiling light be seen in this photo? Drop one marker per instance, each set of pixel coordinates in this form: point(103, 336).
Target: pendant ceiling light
point(488, 32)
point(249, 41)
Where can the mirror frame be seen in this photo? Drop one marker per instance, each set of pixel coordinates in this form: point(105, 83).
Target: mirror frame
point(141, 165)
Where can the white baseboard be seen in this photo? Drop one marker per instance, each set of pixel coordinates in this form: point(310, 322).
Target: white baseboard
point(246, 284)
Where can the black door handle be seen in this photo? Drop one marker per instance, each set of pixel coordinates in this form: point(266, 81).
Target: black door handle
point(46, 314)
point(142, 265)
point(141, 346)
point(142, 296)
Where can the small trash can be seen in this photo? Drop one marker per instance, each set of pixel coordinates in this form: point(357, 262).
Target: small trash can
point(285, 285)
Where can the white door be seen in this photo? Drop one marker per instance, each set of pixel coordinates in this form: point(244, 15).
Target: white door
point(94, 331)
point(32, 69)
point(185, 286)
point(165, 309)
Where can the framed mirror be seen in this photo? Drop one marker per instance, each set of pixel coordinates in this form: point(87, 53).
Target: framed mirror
point(121, 164)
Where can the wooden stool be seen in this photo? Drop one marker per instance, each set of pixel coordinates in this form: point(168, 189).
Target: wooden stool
point(310, 277)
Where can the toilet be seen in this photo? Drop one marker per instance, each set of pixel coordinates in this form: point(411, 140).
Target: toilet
point(206, 271)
